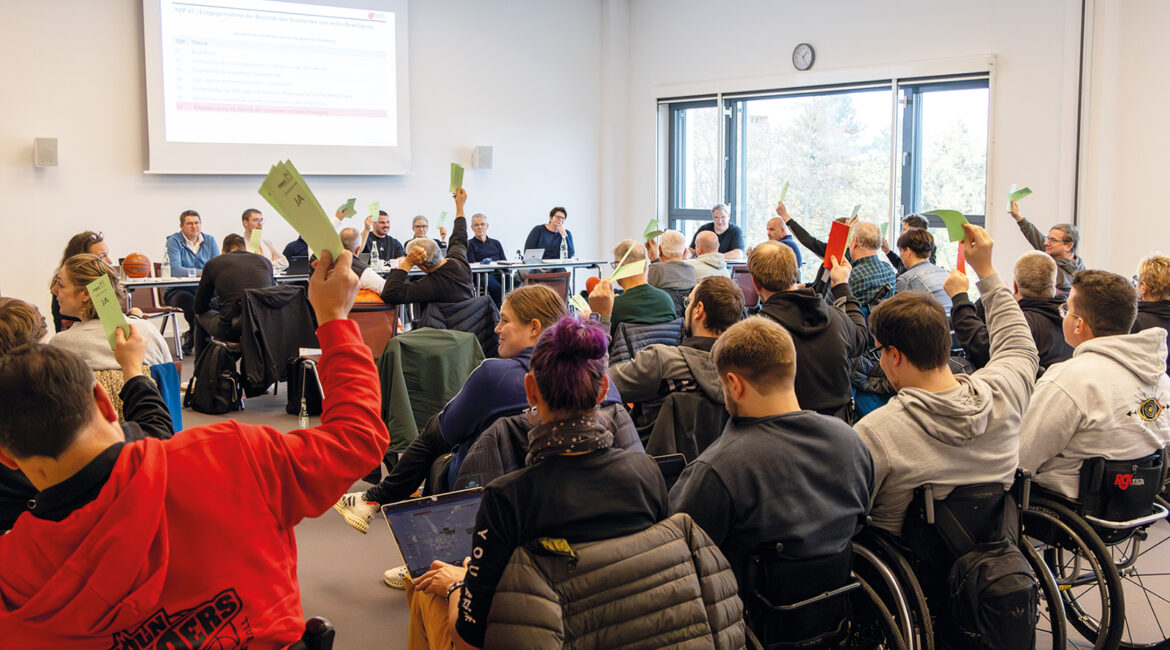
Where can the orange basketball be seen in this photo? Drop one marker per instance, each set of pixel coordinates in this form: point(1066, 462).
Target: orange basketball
point(136, 265)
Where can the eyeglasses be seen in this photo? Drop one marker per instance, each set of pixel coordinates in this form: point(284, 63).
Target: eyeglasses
point(1065, 312)
point(1135, 281)
point(1053, 240)
point(686, 302)
point(878, 349)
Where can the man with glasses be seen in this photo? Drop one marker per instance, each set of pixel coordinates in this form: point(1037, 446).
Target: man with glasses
point(1109, 400)
point(941, 428)
point(640, 302)
point(1061, 244)
point(254, 220)
point(551, 236)
point(731, 243)
point(188, 251)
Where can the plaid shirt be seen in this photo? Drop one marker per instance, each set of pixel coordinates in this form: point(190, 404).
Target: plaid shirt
point(868, 277)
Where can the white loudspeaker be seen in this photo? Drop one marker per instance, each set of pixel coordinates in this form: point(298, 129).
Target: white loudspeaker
point(481, 158)
point(45, 152)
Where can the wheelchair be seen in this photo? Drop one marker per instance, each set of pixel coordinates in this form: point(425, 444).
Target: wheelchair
point(1093, 547)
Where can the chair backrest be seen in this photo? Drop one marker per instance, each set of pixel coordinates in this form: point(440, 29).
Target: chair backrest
point(751, 298)
point(166, 377)
point(558, 281)
point(477, 316)
point(679, 296)
point(798, 603)
point(687, 424)
point(277, 322)
point(377, 323)
point(629, 338)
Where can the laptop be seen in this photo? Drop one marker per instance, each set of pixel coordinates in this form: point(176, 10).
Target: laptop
point(297, 266)
point(533, 255)
point(432, 528)
point(671, 466)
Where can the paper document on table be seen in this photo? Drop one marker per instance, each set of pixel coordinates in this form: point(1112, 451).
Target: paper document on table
point(286, 190)
point(109, 310)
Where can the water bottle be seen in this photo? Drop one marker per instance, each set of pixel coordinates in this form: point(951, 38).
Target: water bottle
point(375, 263)
point(303, 418)
point(165, 270)
point(564, 247)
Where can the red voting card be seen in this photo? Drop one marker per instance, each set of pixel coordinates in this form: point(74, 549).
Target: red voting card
point(836, 248)
point(961, 263)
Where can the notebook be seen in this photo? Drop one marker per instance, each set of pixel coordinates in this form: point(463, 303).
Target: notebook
point(433, 528)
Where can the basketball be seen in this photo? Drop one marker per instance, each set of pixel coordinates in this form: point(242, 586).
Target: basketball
point(136, 265)
point(591, 283)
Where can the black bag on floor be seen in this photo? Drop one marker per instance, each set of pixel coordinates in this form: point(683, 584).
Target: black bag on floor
point(303, 383)
point(215, 385)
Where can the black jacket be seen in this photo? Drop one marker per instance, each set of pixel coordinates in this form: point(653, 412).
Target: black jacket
point(826, 338)
point(451, 282)
point(1154, 314)
point(970, 324)
point(277, 322)
point(477, 316)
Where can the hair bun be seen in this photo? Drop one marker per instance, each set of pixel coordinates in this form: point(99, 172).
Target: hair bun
point(574, 339)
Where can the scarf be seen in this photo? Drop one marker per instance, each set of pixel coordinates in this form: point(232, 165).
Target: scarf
point(587, 432)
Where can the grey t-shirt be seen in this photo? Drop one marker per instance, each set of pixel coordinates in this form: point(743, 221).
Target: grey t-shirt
point(674, 275)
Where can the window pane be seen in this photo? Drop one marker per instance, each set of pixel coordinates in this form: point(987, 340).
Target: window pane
point(833, 150)
point(688, 227)
point(954, 150)
point(696, 153)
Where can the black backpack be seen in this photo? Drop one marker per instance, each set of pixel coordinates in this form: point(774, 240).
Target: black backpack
point(215, 384)
point(303, 383)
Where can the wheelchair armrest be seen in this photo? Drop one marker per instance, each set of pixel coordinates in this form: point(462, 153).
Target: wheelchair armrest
point(850, 586)
point(1160, 512)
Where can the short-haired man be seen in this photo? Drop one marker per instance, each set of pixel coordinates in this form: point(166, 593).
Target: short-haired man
point(447, 279)
point(708, 260)
point(908, 222)
point(1109, 400)
point(253, 219)
point(778, 231)
point(482, 248)
point(189, 249)
point(871, 276)
point(640, 302)
point(731, 242)
point(668, 271)
point(1061, 244)
point(376, 233)
point(1035, 289)
point(715, 304)
point(916, 247)
point(552, 235)
point(419, 226)
point(779, 473)
point(826, 336)
point(226, 278)
point(940, 428)
point(143, 526)
point(367, 279)
point(1153, 290)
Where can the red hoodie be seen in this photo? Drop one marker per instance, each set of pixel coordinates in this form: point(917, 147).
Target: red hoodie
point(190, 542)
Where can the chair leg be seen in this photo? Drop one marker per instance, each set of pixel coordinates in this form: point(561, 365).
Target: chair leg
point(178, 342)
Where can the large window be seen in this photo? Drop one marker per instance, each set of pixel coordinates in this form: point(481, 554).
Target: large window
point(835, 148)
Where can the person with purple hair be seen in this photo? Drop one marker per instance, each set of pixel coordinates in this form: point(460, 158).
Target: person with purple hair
point(576, 486)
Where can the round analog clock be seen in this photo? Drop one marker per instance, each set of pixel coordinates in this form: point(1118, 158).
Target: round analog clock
point(803, 56)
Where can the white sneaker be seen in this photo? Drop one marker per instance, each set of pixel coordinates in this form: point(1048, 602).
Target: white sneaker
point(357, 511)
point(396, 577)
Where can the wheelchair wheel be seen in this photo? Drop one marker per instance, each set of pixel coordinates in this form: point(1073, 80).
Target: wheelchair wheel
point(886, 571)
point(1089, 584)
point(873, 624)
point(1050, 626)
point(1147, 610)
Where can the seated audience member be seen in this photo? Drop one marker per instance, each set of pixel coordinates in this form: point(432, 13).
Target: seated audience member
point(734, 490)
point(576, 487)
point(1153, 290)
point(376, 233)
point(920, 274)
point(226, 278)
point(667, 270)
point(189, 249)
point(708, 260)
point(777, 231)
point(908, 222)
point(482, 248)
point(731, 242)
point(1061, 244)
point(549, 236)
point(419, 226)
point(90, 242)
point(367, 278)
point(254, 220)
point(298, 247)
point(447, 279)
point(715, 304)
point(87, 339)
point(818, 247)
point(1034, 288)
point(941, 428)
point(640, 302)
point(827, 337)
point(871, 278)
point(1108, 400)
point(146, 413)
point(144, 525)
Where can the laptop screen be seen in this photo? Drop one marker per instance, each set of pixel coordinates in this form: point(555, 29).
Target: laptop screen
point(532, 255)
point(434, 528)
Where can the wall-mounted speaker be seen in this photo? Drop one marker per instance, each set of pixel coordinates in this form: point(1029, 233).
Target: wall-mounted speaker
point(45, 152)
point(481, 158)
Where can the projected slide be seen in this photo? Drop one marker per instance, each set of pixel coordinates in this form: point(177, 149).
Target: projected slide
point(263, 72)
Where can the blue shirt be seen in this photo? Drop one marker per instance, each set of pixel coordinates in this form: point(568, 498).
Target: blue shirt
point(927, 277)
point(550, 241)
point(183, 258)
point(790, 241)
point(478, 251)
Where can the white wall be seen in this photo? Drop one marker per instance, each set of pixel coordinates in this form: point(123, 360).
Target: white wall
point(703, 46)
point(522, 76)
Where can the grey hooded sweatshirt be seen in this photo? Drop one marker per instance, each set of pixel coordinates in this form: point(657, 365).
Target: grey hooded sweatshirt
point(709, 264)
point(658, 370)
point(962, 435)
point(1110, 399)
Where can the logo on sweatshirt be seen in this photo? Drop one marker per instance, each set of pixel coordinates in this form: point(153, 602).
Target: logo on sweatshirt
point(215, 624)
point(1150, 409)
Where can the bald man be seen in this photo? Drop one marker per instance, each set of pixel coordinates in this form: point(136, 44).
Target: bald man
point(708, 260)
point(777, 231)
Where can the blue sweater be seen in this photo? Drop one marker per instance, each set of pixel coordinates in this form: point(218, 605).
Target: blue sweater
point(542, 237)
point(181, 257)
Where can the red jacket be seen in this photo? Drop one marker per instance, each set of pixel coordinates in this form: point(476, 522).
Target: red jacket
point(190, 543)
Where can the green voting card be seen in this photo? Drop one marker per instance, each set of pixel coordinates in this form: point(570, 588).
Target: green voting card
point(954, 221)
point(442, 218)
point(627, 270)
point(784, 192)
point(286, 190)
point(1016, 195)
point(254, 241)
point(109, 311)
point(652, 230)
point(346, 209)
point(885, 228)
point(456, 176)
point(577, 301)
point(622, 262)
point(856, 209)
point(374, 208)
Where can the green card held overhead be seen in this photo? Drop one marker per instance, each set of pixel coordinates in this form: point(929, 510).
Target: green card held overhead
point(374, 208)
point(954, 221)
point(577, 301)
point(109, 311)
point(1016, 195)
point(347, 210)
point(856, 209)
point(627, 270)
point(254, 241)
point(287, 192)
point(456, 176)
point(652, 230)
point(784, 192)
point(443, 218)
point(885, 228)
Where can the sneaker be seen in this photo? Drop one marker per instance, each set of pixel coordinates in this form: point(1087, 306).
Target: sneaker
point(396, 577)
point(357, 511)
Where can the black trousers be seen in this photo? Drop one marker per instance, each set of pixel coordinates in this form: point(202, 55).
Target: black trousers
point(412, 468)
point(184, 299)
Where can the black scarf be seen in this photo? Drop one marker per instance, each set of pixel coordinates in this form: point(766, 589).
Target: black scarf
point(587, 432)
